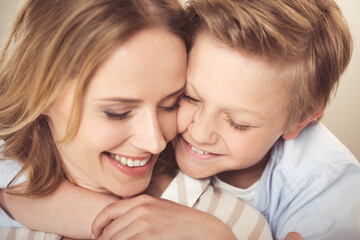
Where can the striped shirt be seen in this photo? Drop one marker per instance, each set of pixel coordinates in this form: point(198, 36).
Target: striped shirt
point(25, 234)
point(245, 221)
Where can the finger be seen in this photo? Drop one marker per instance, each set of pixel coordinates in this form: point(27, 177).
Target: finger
point(116, 226)
point(138, 220)
point(294, 236)
point(114, 211)
point(135, 230)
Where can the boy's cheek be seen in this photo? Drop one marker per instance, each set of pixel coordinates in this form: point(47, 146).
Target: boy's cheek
point(185, 116)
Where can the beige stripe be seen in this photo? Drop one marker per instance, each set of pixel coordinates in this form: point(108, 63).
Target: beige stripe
point(215, 199)
point(259, 227)
point(180, 180)
point(31, 235)
point(236, 213)
point(196, 204)
point(204, 184)
point(12, 234)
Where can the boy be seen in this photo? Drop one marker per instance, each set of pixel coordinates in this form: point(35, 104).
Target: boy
point(260, 75)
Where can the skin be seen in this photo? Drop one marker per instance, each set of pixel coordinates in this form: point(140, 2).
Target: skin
point(224, 114)
point(237, 135)
point(114, 222)
point(136, 122)
point(124, 114)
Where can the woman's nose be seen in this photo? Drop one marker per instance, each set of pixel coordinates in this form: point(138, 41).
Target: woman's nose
point(150, 137)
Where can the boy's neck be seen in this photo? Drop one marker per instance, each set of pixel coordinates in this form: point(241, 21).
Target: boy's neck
point(244, 178)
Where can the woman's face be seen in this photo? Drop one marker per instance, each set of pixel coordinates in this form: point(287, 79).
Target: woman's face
point(234, 110)
point(128, 116)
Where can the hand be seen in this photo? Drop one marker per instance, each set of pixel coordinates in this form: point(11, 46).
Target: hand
point(145, 217)
point(294, 236)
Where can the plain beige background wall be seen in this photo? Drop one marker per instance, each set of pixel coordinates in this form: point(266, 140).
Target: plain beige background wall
point(342, 116)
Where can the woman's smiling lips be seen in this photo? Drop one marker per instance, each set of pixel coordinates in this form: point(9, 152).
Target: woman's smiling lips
point(196, 152)
point(131, 166)
point(129, 161)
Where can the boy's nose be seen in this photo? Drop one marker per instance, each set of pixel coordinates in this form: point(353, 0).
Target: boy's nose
point(202, 129)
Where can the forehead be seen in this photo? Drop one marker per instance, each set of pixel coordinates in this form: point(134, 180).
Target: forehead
point(235, 78)
point(150, 64)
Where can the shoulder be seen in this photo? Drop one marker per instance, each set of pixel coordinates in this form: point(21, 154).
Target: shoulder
point(315, 155)
point(8, 170)
point(306, 179)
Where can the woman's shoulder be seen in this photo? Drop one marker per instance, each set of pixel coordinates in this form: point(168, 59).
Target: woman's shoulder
point(8, 170)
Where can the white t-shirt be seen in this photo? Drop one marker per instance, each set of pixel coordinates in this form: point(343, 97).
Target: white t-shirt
point(246, 194)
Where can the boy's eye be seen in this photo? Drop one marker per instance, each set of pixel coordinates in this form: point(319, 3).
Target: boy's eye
point(189, 99)
point(117, 116)
point(238, 127)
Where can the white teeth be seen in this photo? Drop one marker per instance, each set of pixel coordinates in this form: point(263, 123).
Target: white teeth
point(137, 163)
point(123, 161)
point(130, 162)
point(198, 150)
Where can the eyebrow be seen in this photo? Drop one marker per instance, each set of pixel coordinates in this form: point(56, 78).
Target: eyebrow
point(131, 100)
point(257, 115)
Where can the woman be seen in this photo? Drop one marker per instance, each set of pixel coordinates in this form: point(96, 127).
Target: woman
point(75, 81)
point(78, 103)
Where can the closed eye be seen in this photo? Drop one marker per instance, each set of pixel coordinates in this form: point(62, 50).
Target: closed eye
point(189, 99)
point(117, 116)
point(171, 108)
point(236, 126)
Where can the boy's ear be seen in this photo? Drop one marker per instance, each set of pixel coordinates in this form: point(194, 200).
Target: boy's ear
point(293, 133)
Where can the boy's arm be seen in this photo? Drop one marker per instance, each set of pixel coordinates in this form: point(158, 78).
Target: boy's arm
point(68, 211)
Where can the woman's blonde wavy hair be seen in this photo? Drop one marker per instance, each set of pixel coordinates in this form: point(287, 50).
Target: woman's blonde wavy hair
point(51, 42)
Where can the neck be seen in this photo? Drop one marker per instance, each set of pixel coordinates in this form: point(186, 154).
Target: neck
point(158, 185)
point(244, 178)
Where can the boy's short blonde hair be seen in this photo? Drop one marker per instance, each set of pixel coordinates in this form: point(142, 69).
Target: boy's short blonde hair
point(311, 36)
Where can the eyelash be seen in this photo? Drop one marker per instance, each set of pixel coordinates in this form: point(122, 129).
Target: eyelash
point(238, 127)
point(172, 108)
point(115, 116)
point(189, 99)
point(122, 116)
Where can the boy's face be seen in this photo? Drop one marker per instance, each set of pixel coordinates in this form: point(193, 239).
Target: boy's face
point(234, 110)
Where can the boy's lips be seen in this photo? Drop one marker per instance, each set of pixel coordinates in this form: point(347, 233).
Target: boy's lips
point(196, 152)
